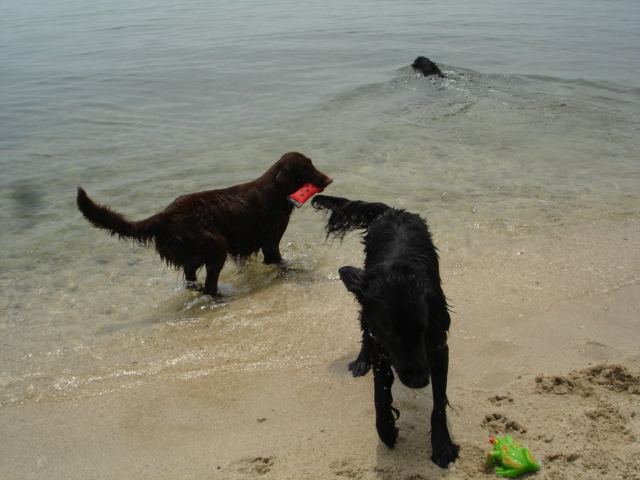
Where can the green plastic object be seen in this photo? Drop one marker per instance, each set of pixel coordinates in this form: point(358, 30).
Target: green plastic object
point(510, 458)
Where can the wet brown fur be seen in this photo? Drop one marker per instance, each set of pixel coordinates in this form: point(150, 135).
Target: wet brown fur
point(203, 228)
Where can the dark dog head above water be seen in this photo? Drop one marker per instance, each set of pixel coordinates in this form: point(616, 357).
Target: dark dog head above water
point(426, 67)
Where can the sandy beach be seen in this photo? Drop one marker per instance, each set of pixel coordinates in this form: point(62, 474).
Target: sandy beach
point(544, 347)
point(523, 159)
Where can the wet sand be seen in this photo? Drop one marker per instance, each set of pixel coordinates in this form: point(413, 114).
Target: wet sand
point(544, 347)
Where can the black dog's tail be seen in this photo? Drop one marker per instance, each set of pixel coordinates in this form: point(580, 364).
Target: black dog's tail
point(348, 215)
point(103, 217)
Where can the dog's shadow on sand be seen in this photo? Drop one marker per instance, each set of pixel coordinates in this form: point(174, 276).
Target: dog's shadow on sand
point(410, 458)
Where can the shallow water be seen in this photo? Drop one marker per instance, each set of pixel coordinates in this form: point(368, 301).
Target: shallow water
point(532, 136)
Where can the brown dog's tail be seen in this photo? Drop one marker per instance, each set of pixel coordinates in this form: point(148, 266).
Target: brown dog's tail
point(103, 217)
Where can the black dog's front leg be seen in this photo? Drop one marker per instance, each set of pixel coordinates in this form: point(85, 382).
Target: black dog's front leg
point(382, 381)
point(444, 450)
point(361, 365)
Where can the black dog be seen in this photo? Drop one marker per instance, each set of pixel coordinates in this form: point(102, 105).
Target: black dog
point(204, 228)
point(426, 67)
point(404, 314)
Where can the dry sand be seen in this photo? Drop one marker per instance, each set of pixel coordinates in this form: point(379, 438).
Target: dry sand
point(542, 349)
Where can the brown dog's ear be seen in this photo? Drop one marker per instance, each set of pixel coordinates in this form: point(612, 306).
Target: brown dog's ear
point(353, 279)
point(280, 175)
point(284, 174)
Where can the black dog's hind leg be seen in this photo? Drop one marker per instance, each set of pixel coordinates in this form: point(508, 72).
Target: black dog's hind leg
point(361, 365)
point(444, 451)
point(386, 415)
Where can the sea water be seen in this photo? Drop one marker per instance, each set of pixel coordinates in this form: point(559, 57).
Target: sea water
point(533, 131)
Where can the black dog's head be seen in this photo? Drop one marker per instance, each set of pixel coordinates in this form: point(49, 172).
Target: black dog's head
point(396, 310)
point(426, 67)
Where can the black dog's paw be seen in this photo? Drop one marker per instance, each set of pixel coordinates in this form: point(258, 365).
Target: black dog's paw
point(389, 436)
point(444, 453)
point(387, 430)
point(359, 367)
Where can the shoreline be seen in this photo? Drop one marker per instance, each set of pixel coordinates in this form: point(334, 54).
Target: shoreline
point(317, 422)
point(552, 363)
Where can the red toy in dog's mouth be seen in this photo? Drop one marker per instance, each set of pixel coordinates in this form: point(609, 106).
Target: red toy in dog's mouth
point(305, 193)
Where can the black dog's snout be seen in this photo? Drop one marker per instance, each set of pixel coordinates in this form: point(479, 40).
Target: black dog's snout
point(415, 378)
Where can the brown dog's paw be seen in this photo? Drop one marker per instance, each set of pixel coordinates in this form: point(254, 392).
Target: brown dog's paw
point(195, 286)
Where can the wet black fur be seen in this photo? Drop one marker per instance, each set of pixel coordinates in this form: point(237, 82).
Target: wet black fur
point(426, 67)
point(404, 313)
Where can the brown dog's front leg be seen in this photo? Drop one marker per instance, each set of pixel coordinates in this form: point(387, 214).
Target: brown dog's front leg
point(273, 257)
point(271, 248)
point(444, 450)
point(382, 382)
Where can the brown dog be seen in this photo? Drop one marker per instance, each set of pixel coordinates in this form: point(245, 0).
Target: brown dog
point(204, 228)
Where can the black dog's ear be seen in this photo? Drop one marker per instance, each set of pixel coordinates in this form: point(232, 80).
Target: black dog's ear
point(353, 279)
